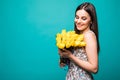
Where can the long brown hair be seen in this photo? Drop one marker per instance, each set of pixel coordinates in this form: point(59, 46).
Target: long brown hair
point(90, 9)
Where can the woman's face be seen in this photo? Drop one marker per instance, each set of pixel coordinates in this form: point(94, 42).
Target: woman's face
point(82, 20)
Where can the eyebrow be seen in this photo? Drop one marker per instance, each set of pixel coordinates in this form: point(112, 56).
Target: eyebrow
point(81, 16)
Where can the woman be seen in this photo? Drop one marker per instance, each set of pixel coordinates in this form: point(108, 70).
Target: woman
point(84, 60)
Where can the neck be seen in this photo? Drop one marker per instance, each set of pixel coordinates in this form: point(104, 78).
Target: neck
point(86, 30)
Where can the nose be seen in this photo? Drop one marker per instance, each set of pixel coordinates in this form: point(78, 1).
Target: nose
point(78, 20)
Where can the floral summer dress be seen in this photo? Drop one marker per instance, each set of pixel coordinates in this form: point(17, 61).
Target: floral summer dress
point(75, 72)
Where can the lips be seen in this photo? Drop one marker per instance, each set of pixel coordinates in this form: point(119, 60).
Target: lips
point(79, 26)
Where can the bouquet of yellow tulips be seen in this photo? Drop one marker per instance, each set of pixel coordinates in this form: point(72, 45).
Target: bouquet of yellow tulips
point(67, 40)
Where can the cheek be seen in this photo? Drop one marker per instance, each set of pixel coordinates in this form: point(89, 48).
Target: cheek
point(86, 22)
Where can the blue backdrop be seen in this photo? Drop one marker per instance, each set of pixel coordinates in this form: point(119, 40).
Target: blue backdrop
point(27, 38)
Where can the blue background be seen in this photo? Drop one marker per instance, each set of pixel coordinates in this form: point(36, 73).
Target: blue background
point(27, 38)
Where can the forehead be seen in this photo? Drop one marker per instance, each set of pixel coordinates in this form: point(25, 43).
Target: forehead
point(82, 13)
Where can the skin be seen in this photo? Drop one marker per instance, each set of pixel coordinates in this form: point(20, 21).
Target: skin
point(83, 21)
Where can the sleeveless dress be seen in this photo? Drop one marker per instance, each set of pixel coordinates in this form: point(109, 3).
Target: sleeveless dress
point(75, 72)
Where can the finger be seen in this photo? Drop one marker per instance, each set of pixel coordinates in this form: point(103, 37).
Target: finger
point(65, 50)
point(62, 64)
point(61, 54)
point(59, 50)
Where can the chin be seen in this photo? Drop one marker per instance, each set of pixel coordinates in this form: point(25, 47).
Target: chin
point(80, 29)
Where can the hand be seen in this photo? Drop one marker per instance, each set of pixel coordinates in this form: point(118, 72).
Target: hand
point(61, 64)
point(64, 53)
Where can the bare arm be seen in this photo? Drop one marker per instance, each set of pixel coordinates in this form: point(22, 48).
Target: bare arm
point(91, 49)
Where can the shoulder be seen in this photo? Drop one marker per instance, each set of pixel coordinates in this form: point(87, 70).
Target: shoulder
point(90, 37)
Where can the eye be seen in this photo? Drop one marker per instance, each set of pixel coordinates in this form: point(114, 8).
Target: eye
point(84, 18)
point(77, 17)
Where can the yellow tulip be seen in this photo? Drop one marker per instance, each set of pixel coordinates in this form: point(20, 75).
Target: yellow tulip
point(69, 39)
point(83, 44)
